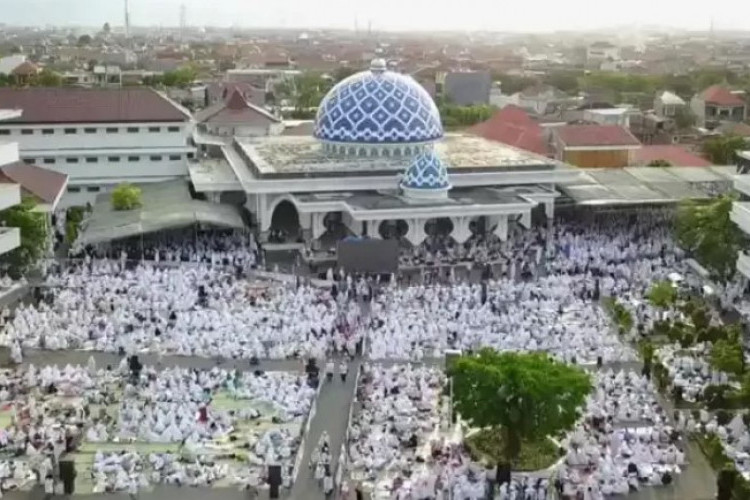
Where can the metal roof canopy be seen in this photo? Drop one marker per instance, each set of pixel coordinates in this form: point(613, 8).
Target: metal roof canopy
point(165, 205)
point(633, 185)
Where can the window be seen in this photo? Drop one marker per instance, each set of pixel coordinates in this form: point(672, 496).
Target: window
point(173, 129)
point(48, 131)
point(190, 156)
point(174, 157)
point(133, 130)
point(4, 131)
point(112, 130)
point(134, 158)
point(92, 159)
point(93, 189)
point(74, 189)
point(29, 161)
point(71, 160)
point(49, 161)
point(154, 129)
point(113, 159)
point(89, 130)
point(27, 131)
point(70, 131)
point(155, 157)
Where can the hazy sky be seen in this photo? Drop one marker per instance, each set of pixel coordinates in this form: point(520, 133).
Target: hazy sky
point(538, 15)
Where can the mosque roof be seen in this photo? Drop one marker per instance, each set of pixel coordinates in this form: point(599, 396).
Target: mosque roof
point(426, 172)
point(378, 107)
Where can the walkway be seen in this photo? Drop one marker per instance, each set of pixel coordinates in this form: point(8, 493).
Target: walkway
point(332, 416)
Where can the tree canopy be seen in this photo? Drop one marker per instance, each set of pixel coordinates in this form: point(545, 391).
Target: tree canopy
point(126, 197)
point(33, 236)
point(706, 230)
point(463, 116)
point(524, 396)
point(721, 150)
point(662, 294)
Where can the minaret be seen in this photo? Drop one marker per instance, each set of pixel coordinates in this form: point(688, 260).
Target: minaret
point(183, 21)
point(127, 20)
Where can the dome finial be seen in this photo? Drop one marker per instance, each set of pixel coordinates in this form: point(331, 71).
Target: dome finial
point(378, 65)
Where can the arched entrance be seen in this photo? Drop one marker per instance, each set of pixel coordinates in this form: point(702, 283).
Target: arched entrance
point(335, 229)
point(478, 226)
point(285, 226)
point(393, 229)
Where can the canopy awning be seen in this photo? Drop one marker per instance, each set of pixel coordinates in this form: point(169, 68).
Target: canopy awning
point(644, 185)
point(165, 205)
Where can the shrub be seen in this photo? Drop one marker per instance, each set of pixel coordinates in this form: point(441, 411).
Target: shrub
point(717, 397)
point(126, 197)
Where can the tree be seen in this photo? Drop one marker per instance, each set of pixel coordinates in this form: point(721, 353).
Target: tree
point(47, 78)
point(707, 232)
point(126, 197)
point(84, 40)
point(510, 84)
point(721, 150)
point(106, 29)
point(343, 72)
point(662, 294)
point(684, 118)
point(521, 396)
point(33, 236)
point(659, 163)
point(180, 77)
point(727, 356)
point(567, 81)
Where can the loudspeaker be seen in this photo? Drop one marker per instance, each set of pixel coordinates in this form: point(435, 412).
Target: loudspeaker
point(68, 476)
point(274, 480)
point(274, 475)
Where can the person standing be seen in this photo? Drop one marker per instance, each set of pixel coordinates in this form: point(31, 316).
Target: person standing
point(49, 487)
point(133, 488)
point(343, 369)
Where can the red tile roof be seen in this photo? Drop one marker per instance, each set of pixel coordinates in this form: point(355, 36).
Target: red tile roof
point(47, 185)
point(73, 105)
point(26, 68)
point(676, 155)
point(236, 109)
point(513, 126)
point(717, 94)
point(595, 136)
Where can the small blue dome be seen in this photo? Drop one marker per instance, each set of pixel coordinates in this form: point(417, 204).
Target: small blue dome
point(378, 107)
point(426, 172)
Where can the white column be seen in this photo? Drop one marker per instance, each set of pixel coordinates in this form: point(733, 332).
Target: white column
point(501, 227)
point(461, 231)
point(549, 209)
point(264, 212)
point(318, 228)
point(354, 226)
point(373, 228)
point(526, 219)
point(415, 232)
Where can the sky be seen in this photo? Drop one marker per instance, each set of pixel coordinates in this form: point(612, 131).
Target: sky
point(409, 15)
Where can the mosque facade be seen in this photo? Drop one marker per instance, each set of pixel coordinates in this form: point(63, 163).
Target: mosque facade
point(378, 163)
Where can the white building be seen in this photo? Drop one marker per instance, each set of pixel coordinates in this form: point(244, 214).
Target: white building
point(99, 138)
point(599, 52)
point(10, 193)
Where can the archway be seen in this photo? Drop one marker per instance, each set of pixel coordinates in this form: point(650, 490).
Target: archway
point(285, 225)
point(478, 226)
point(335, 229)
point(393, 229)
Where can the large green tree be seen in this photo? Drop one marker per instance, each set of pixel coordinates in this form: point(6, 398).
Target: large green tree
point(707, 232)
point(126, 197)
point(524, 397)
point(721, 150)
point(662, 294)
point(33, 236)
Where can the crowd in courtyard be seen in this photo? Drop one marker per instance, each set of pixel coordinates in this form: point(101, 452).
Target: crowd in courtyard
point(541, 294)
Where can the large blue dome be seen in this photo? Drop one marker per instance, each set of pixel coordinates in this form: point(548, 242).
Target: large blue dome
point(378, 107)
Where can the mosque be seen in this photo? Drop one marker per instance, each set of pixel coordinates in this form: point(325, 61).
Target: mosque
point(378, 164)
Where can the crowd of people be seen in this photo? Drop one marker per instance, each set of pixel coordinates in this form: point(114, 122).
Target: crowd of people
point(220, 425)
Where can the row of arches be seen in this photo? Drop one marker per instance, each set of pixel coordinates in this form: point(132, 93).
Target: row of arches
point(285, 225)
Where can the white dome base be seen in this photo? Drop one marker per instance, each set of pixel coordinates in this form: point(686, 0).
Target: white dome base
point(425, 194)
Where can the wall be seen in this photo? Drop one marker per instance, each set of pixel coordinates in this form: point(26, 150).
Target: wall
point(594, 159)
point(8, 152)
point(54, 136)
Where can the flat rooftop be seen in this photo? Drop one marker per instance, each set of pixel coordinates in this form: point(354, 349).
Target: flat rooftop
point(287, 156)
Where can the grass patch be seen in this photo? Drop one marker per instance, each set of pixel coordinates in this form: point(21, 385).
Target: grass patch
point(535, 455)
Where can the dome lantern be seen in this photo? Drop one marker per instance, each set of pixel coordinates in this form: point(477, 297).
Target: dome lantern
point(426, 178)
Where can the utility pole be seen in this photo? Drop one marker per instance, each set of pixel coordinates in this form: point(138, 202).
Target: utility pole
point(127, 20)
point(183, 21)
